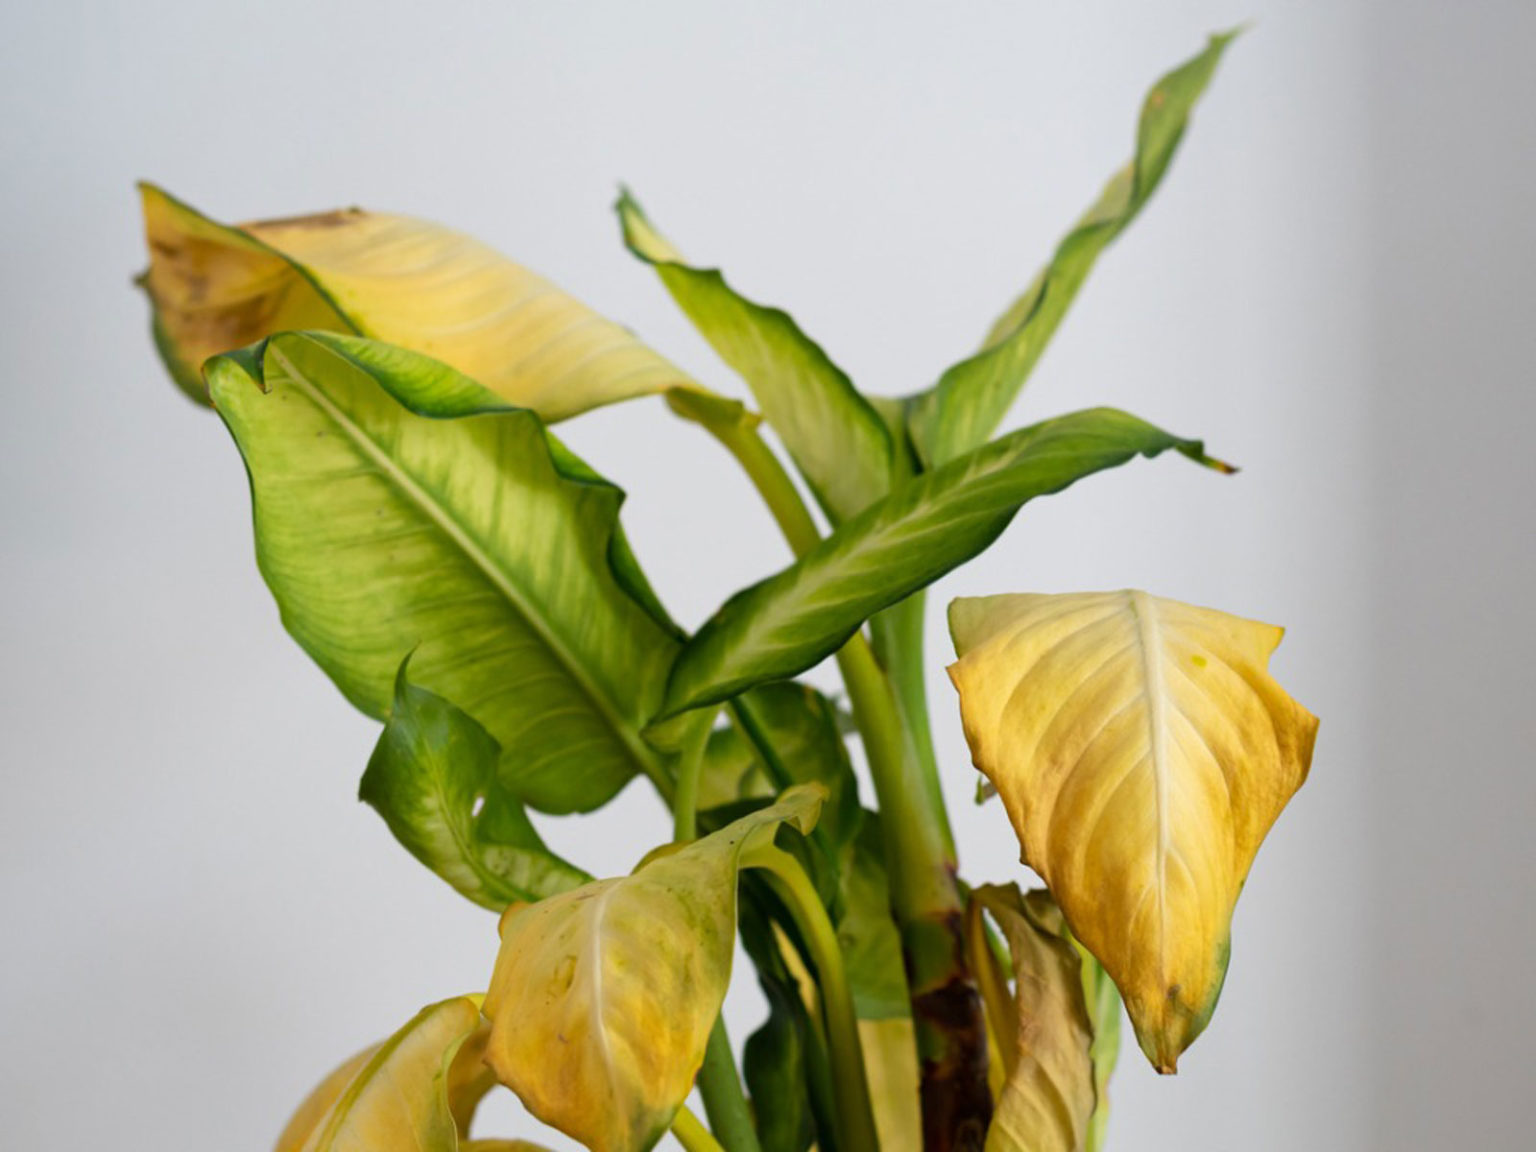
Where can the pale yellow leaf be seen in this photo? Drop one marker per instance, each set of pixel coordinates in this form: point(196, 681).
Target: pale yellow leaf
point(603, 998)
point(890, 1065)
point(392, 278)
point(1048, 1099)
point(1143, 751)
point(416, 1092)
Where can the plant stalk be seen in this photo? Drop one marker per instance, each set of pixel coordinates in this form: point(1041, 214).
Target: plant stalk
point(691, 1134)
point(725, 1103)
point(919, 846)
point(855, 1116)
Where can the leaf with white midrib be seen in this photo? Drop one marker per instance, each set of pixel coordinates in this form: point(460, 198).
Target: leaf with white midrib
point(925, 528)
point(1142, 751)
point(440, 517)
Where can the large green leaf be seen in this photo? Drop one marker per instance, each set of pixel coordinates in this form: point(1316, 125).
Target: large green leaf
point(838, 441)
point(216, 287)
point(416, 1092)
point(924, 529)
point(400, 506)
point(1048, 1099)
point(603, 998)
point(964, 408)
point(434, 778)
point(1143, 751)
point(866, 932)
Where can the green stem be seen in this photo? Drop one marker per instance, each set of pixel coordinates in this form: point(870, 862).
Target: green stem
point(725, 1103)
point(919, 847)
point(855, 1115)
point(691, 1134)
point(690, 765)
point(719, 1082)
point(897, 634)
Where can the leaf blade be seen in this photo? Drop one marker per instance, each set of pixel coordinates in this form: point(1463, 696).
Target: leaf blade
point(1048, 1099)
point(603, 998)
point(838, 441)
point(434, 779)
point(783, 625)
point(216, 287)
point(1143, 751)
point(971, 398)
point(379, 481)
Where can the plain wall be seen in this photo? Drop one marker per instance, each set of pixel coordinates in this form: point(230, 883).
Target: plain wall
point(201, 919)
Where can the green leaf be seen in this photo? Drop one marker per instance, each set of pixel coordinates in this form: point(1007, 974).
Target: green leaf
point(794, 739)
point(773, 1064)
point(1048, 1099)
point(401, 507)
point(416, 1092)
point(866, 932)
point(838, 441)
point(924, 529)
point(215, 287)
point(603, 998)
point(433, 778)
point(964, 408)
point(1103, 1001)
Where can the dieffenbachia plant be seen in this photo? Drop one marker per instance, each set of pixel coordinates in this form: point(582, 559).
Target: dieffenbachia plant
point(464, 578)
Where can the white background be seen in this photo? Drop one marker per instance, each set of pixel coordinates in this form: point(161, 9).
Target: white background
point(1333, 288)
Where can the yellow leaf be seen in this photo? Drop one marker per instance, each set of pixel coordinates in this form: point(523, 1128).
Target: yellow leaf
point(603, 998)
point(408, 282)
point(416, 1092)
point(1143, 751)
point(1048, 1100)
point(890, 1064)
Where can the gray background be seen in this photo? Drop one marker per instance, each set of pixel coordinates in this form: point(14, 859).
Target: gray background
point(1333, 288)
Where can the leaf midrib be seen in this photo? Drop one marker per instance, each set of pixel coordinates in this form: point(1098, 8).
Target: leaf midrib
point(459, 535)
point(1143, 611)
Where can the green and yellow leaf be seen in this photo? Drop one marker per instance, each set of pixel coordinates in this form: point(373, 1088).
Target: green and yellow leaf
point(217, 287)
point(416, 1092)
point(1143, 751)
point(1047, 1101)
point(400, 507)
point(964, 408)
point(929, 526)
point(838, 441)
point(603, 998)
point(434, 779)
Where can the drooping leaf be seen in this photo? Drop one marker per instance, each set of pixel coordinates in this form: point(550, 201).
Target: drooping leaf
point(419, 285)
point(401, 507)
point(434, 779)
point(971, 398)
point(603, 998)
point(416, 1092)
point(929, 526)
point(1142, 750)
point(1048, 1100)
point(838, 441)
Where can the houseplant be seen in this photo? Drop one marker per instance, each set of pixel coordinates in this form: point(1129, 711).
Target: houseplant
point(464, 578)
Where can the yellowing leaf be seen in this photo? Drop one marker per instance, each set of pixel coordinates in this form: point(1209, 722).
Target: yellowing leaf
point(408, 282)
point(1048, 1100)
point(416, 1092)
point(603, 998)
point(890, 1064)
point(1143, 751)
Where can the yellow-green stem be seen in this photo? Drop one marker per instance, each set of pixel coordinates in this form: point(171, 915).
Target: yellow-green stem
point(855, 1116)
point(691, 1134)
